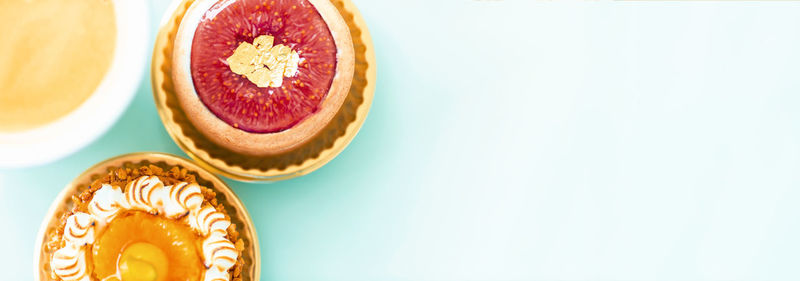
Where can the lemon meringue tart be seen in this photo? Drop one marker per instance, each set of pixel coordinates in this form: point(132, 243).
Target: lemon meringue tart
point(262, 77)
point(147, 223)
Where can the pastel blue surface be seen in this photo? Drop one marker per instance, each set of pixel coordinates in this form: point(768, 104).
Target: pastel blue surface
point(527, 140)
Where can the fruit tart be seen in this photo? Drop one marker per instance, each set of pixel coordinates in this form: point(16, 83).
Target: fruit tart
point(146, 223)
point(262, 77)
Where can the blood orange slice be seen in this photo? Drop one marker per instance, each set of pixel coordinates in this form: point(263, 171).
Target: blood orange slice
point(238, 101)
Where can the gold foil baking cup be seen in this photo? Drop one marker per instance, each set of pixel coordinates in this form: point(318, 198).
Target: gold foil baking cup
point(303, 160)
point(251, 270)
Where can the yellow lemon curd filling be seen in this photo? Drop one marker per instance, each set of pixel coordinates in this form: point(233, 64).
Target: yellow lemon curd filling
point(142, 247)
point(142, 261)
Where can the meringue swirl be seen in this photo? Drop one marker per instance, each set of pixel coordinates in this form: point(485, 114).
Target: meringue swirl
point(143, 193)
point(79, 229)
point(221, 251)
point(215, 274)
point(182, 198)
point(107, 202)
point(147, 193)
point(208, 220)
point(69, 263)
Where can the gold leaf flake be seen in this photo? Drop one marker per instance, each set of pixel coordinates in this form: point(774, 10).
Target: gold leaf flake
point(261, 77)
point(281, 52)
point(277, 76)
point(243, 54)
point(291, 65)
point(263, 63)
point(241, 68)
point(270, 61)
point(263, 42)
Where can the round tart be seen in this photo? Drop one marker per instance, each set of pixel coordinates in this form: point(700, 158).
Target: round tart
point(304, 159)
point(262, 77)
point(150, 221)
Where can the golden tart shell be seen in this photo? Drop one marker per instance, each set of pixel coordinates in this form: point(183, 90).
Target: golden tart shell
point(297, 162)
point(145, 163)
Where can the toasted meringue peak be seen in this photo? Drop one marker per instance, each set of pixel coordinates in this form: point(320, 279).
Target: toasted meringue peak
point(208, 221)
point(215, 274)
point(79, 229)
point(182, 197)
point(142, 193)
point(219, 252)
point(69, 264)
point(107, 203)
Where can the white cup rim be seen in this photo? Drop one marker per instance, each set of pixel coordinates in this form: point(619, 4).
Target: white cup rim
point(101, 110)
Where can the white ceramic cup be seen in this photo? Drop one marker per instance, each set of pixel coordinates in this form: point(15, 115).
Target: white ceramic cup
point(101, 110)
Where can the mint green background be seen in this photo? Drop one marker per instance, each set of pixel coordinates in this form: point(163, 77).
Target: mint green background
point(527, 140)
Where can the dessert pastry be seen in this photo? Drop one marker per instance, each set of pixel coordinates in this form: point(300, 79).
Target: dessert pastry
point(150, 223)
point(298, 161)
point(262, 77)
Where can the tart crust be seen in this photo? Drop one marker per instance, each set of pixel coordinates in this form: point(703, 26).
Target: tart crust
point(120, 177)
point(261, 144)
